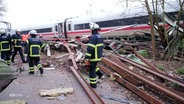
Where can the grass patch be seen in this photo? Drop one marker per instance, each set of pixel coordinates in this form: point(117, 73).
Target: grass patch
point(180, 71)
point(161, 67)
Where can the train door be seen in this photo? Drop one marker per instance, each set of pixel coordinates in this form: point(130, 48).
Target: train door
point(67, 27)
point(57, 29)
point(60, 30)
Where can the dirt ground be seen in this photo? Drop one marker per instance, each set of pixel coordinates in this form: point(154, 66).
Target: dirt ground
point(27, 87)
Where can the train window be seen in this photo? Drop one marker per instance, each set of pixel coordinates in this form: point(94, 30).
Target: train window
point(81, 26)
point(25, 32)
point(76, 27)
point(69, 27)
point(56, 28)
point(110, 23)
point(118, 22)
point(44, 30)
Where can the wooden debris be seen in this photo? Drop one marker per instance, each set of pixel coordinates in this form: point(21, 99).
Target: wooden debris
point(51, 98)
point(114, 76)
point(56, 92)
point(46, 64)
point(79, 56)
point(62, 56)
point(50, 68)
point(48, 52)
point(13, 102)
point(119, 99)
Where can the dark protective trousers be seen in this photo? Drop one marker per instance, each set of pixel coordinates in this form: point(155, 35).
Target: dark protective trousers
point(19, 49)
point(6, 56)
point(93, 72)
point(35, 61)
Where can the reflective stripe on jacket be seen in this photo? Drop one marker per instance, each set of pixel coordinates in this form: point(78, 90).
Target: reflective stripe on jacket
point(17, 40)
point(34, 46)
point(5, 42)
point(95, 48)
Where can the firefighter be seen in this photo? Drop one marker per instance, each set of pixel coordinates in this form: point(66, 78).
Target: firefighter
point(17, 45)
point(34, 47)
point(5, 42)
point(94, 54)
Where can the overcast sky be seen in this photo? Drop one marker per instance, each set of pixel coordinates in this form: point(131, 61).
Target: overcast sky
point(36, 12)
point(31, 12)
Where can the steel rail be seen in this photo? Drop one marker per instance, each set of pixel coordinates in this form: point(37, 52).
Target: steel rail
point(170, 92)
point(123, 74)
point(161, 75)
point(132, 87)
point(146, 62)
point(72, 58)
point(91, 93)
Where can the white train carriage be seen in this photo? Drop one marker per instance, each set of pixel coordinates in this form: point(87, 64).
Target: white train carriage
point(125, 23)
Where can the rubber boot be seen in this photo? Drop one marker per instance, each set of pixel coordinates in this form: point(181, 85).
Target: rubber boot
point(31, 72)
point(93, 85)
point(41, 70)
point(100, 74)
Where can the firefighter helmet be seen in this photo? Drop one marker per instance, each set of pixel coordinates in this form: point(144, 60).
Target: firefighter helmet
point(33, 32)
point(18, 30)
point(94, 26)
point(2, 31)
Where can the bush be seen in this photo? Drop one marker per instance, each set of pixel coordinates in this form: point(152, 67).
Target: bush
point(161, 67)
point(180, 71)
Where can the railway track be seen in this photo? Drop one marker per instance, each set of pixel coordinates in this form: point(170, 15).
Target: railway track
point(117, 64)
point(143, 80)
point(95, 98)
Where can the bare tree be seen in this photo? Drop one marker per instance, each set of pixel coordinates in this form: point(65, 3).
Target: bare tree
point(3, 8)
point(152, 28)
point(174, 42)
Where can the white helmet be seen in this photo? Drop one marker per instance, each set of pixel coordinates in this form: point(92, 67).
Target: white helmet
point(18, 30)
point(2, 31)
point(33, 32)
point(94, 26)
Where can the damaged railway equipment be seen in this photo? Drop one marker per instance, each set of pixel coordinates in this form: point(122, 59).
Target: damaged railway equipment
point(136, 74)
point(124, 62)
point(142, 79)
point(95, 98)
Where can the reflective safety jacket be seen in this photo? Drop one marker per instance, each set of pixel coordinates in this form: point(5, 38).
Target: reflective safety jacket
point(5, 42)
point(34, 47)
point(17, 40)
point(95, 48)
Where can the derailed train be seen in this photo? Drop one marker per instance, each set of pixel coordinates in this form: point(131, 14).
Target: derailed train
point(127, 22)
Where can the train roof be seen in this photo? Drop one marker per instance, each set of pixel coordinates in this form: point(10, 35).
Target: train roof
point(38, 26)
point(125, 13)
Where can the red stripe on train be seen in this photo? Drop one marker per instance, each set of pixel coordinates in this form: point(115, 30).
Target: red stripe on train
point(144, 27)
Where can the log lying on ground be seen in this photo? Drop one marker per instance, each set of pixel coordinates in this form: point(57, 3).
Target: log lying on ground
point(56, 92)
point(13, 102)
